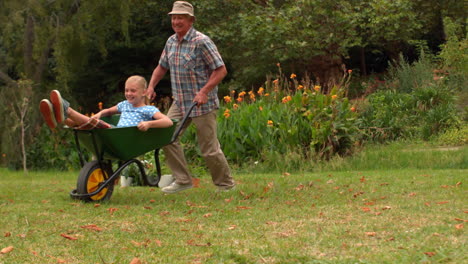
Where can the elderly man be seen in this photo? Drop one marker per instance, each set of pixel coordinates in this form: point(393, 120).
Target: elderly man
point(196, 68)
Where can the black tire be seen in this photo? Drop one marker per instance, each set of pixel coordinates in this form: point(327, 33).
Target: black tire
point(150, 180)
point(90, 179)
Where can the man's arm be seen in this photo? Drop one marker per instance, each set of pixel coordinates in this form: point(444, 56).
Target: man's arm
point(215, 78)
point(157, 75)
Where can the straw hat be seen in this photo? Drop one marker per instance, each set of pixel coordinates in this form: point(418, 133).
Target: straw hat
point(182, 8)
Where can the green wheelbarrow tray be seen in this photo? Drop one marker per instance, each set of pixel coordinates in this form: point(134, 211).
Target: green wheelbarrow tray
point(124, 143)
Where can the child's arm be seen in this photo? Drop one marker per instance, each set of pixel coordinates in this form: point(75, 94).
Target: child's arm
point(106, 112)
point(161, 120)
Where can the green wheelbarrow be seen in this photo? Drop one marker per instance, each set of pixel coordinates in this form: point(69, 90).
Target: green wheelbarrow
point(123, 145)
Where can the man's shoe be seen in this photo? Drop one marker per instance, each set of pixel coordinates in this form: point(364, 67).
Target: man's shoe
point(47, 112)
point(60, 106)
point(225, 188)
point(175, 187)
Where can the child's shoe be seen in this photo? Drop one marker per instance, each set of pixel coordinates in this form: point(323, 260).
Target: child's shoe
point(47, 112)
point(60, 106)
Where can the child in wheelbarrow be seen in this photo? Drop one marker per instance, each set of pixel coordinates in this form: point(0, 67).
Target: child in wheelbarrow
point(134, 111)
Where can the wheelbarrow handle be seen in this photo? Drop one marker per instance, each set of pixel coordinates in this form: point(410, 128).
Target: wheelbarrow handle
point(182, 123)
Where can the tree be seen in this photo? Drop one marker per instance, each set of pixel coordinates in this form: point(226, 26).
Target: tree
point(44, 43)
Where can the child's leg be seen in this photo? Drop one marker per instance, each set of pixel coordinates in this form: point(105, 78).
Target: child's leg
point(76, 117)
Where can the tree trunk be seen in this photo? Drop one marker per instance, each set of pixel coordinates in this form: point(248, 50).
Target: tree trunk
point(362, 59)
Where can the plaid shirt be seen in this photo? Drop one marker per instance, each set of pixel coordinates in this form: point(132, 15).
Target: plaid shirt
point(191, 63)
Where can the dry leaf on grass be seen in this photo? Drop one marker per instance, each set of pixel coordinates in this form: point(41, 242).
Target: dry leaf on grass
point(68, 237)
point(135, 261)
point(92, 227)
point(430, 254)
point(7, 250)
point(459, 226)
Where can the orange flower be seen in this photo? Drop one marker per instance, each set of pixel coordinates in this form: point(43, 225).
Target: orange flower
point(286, 99)
point(3, 155)
point(100, 105)
point(241, 94)
point(300, 87)
point(275, 82)
point(333, 97)
point(350, 71)
point(278, 64)
point(261, 91)
point(317, 88)
point(269, 123)
point(235, 106)
point(227, 113)
point(252, 95)
point(293, 75)
point(353, 109)
point(267, 94)
point(227, 99)
point(239, 99)
point(260, 108)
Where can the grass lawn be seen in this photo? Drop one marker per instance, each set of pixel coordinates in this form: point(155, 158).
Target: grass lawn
point(404, 215)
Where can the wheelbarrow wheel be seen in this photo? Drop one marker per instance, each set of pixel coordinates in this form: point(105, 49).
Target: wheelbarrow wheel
point(90, 179)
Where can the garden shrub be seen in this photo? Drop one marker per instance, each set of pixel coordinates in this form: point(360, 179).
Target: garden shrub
point(284, 118)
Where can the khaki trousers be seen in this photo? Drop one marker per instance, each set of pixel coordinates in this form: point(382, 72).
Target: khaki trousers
point(206, 128)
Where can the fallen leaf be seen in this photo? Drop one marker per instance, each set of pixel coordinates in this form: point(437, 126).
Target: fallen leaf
point(386, 208)
point(7, 234)
point(135, 261)
point(459, 226)
point(158, 242)
point(152, 201)
point(92, 227)
point(185, 220)
point(243, 207)
point(286, 174)
point(147, 207)
point(268, 187)
point(61, 261)
point(370, 233)
point(68, 237)
point(196, 182)
point(384, 184)
point(7, 250)
point(430, 254)
point(228, 200)
point(164, 213)
point(232, 227)
point(207, 215)
point(97, 205)
point(363, 179)
point(412, 194)
point(458, 184)
point(299, 187)
point(460, 220)
point(443, 202)
point(112, 210)
point(365, 209)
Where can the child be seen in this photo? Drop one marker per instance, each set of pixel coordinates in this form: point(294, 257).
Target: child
point(134, 111)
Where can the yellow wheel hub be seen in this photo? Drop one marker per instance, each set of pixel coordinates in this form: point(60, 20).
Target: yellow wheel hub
point(96, 177)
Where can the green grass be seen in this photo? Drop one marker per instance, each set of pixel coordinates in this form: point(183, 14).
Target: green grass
point(361, 215)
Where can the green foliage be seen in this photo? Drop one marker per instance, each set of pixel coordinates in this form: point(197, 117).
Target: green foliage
point(413, 103)
point(455, 136)
point(57, 150)
point(284, 120)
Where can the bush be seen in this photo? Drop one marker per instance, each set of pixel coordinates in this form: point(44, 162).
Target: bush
point(413, 104)
point(284, 118)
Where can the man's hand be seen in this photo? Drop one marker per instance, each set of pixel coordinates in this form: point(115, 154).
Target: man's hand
point(201, 98)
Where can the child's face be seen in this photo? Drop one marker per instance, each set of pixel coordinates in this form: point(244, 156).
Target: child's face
point(134, 93)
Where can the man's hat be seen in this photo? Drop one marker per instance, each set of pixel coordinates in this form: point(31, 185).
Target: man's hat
point(182, 8)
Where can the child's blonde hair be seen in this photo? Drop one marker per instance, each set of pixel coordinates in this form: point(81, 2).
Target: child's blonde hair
point(141, 81)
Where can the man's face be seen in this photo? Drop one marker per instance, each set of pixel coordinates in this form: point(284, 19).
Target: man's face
point(181, 24)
